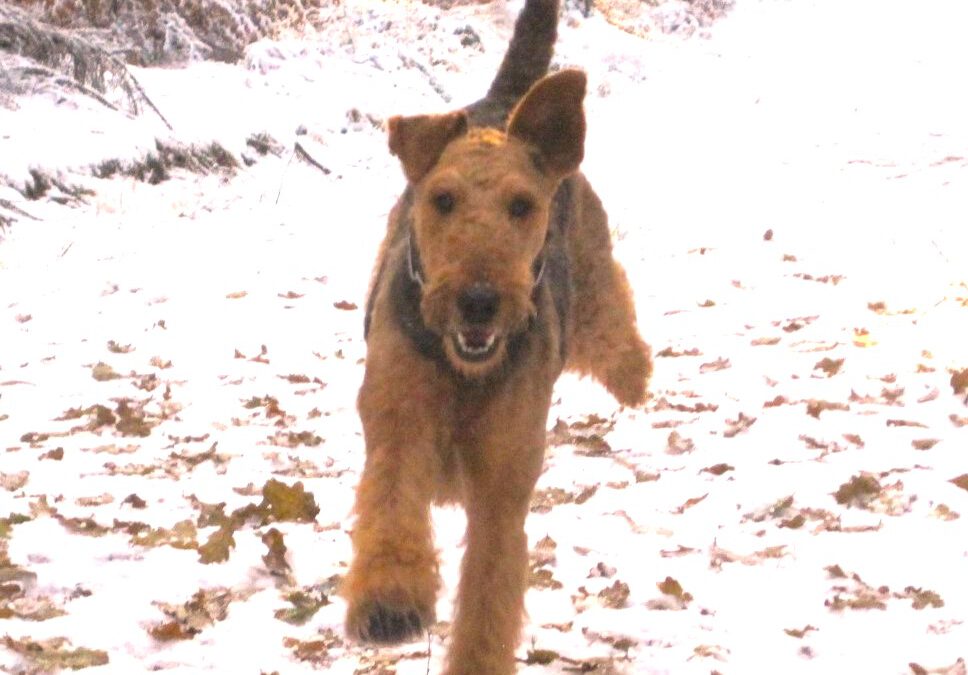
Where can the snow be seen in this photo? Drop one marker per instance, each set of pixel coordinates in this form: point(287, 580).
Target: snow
point(838, 126)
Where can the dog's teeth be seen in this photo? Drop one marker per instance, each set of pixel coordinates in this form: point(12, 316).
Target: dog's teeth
point(475, 350)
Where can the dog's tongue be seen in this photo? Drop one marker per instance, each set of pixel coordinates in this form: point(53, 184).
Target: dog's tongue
point(477, 338)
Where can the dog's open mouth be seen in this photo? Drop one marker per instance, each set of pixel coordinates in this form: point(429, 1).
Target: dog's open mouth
point(476, 344)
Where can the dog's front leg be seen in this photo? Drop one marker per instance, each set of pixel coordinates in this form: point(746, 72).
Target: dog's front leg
point(393, 581)
point(500, 465)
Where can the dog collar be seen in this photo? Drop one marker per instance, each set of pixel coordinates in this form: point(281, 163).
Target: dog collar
point(413, 262)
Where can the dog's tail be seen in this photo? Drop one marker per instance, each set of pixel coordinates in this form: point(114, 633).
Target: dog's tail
point(525, 62)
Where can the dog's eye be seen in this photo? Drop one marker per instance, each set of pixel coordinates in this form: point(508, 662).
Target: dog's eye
point(443, 202)
point(520, 207)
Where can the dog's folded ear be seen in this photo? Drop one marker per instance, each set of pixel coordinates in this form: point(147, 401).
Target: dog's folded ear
point(550, 118)
point(419, 140)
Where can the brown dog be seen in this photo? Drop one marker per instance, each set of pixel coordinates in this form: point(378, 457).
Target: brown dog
point(496, 273)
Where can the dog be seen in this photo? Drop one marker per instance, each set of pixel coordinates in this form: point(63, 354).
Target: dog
point(495, 275)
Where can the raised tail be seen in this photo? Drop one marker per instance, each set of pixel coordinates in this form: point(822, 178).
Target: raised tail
point(525, 62)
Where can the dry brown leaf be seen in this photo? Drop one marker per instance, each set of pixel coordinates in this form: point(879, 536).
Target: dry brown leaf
point(815, 407)
point(102, 372)
point(669, 352)
point(712, 366)
point(858, 491)
point(615, 596)
point(959, 381)
point(740, 424)
point(717, 469)
point(905, 423)
point(862, 338)
point(679, 445)
point(689, 503)
point(830, 366)
point(799, 633)
point(776, 402)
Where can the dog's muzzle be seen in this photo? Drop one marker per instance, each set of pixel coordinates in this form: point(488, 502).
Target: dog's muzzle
point(477, 340)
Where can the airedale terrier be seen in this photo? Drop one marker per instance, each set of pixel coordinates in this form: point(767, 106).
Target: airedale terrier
point(496, 274)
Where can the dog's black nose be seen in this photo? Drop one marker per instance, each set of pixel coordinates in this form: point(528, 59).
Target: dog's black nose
point(478, 304)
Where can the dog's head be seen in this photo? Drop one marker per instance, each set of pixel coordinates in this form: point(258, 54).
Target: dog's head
point(481, 205)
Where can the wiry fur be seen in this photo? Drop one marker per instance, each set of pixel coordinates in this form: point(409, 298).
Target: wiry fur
point(496, 274)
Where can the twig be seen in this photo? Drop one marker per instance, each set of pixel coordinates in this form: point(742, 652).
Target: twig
point(409, 62)
point(16, 209)
point(304, 155)
point(430, 638)
point(144, 96)
point(63, 81)
point(282, 180)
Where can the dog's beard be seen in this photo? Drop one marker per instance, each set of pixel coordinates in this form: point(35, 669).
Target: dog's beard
point(474, 349)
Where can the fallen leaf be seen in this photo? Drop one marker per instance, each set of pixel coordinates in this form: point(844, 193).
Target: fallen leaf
point(216, 549)
point(678, 445)
point(799, 633)
point(305, 603)
point(689, 503)
point(134, 501)
point(543, 578)
point(102, 372)
point(961, 481)
point(275, 558)
point(54, 654)
point(863, 339)
point(712, 366)
point(56, 454)
point(858, 491)
point(281, 502)
point(944, 512)
point(11, 482)
point(921, 598)
point(815, 407)
point(116, 348)
point(717, 469)
point(615, 596)
point(679, 552)
point(905, 423)
point(740, 424)
point(672, 587)
point(669, 352)
point(959, 381)
point(830, 366)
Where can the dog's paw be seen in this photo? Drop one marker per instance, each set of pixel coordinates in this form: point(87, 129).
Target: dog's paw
point(386, 624)
point(629, 379)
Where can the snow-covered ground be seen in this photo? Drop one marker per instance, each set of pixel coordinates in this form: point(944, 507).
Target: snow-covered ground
point(790, 197)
